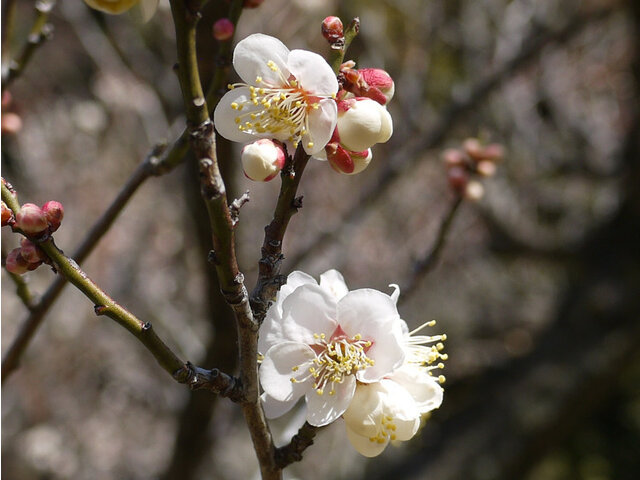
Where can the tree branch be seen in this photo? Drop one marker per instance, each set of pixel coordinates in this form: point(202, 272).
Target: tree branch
point(292, 452)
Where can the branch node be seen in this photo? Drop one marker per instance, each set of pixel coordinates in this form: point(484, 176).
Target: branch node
point(212, 258)
point(297, 203)
point(235, 207)
point(100, 309)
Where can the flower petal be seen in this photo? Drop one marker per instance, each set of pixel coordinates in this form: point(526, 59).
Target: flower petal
point(276, 370)
point(252, 54)
point(333, 281)
point(373, 315)
point(308, 310)
point(312, 72)
point(322, 123)
point(274, 408)
point(294, 280)
point(324, 409)
point(224, 117)
point(364, 445)
point(424, 388)
point(366, 409)
point(271, 330)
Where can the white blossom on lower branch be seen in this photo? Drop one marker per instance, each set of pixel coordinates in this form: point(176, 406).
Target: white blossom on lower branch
point(321, 340)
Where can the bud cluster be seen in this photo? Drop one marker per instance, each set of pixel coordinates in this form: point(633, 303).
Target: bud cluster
point(35, 222)
point(467, 165)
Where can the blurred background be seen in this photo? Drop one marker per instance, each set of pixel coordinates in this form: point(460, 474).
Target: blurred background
point(537, 287)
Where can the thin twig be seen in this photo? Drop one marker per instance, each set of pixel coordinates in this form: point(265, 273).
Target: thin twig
point(336, 55)
point(40, 31)
point(406, 156)
point(425, 264)
point(292, 452)
point(22, 289)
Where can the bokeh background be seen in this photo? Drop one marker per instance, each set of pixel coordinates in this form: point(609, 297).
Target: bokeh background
point(537, 287)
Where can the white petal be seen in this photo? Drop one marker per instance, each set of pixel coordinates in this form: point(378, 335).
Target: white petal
point(333, 281)
point(146, 9)
point(386, 126)
point(373, 315)
point(366, 409)
point(396, 292)
point(274, 408)
point(294, 280)
point(312, 72)
point(399, 405)
point(276, 370)
point(270, 330)
point(322, 123)
point(324, 409)
point(251, 55)
point(364, 446)
point(425, 389)
point(308, 310)
point(224, 116)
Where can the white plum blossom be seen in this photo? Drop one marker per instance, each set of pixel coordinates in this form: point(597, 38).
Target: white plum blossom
point(362, 123)
point(262, 159)
point(286, 95)
point(320, 340)
point(392, 408)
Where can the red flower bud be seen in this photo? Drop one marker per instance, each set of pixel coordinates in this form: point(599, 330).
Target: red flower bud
point(332, 29)
point(31, 219)
point(223, 29)
point(458, 179)
point(15, 263)
point(54, 212)
point(252, 3)
point(453, 157)
point(474, 148)
point(6, 214)
point(339, 158)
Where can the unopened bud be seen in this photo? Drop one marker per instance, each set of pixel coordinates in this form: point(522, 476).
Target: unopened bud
point(493, 152)
point(223, 29)
point(362, 123)
point(31, 252)
point(262, 160)
point(486, 168)
point(474, 148)
point(453, 157)
point(54, 212)
point(31, 219)
point(15, 263)
point(380, 80)
point(458, 179)
point(11, 123)
point(474, 191)
point(332, 29)
point(6, 214)
point(361, 160)
point(339, 158)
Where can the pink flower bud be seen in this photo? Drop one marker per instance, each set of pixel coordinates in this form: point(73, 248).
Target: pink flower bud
point(54, 212)
point(474, 148)
point(493, 152)
point(15, 263)
point(31, 219)
point(362, 123)
point(378, 80)
point(262, 160)
point(223, 29)
point(332, 29)
point(339, 158)
point(31, 252)
point(6, 214)
point(486, 168)
point(453, 157)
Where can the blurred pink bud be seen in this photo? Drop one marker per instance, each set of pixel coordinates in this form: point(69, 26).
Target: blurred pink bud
point(223, 29)
point(54, 212)
point(6, 214)
point(332, 29)
point(31, 252)
point(474, 191)
point(474, 148)
point(11, 123)
point(15, 263)
point(31, 219)
point(262, 160)
point(453, 157)
point(377, 80)
point(252, 3)
point(458, 179)
point(486, 168)
point(493, 152)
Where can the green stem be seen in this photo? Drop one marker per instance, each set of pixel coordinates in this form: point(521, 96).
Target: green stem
point(336, 55)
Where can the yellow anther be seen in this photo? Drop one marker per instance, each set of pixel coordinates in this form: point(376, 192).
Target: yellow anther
point(393, 436)
point(380, 440)
point(444, 356)
point(443, 337)
point(315, 106)
point(441, 379)
point(368, 344)
point(332, 392)
point(295, 369)
point(439, 346)
point(237, 120)
point(310, 145)
point(357, 336)
point(319, 391)
point(258, 79)
point(441, 365)
point(372, 439)
point(293, 380)
point(431, 323)
point(230, 86)
point(234, 106)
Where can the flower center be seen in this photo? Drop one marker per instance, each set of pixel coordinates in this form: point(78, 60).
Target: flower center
point(280, 110)
point(386, 430)
point(335, 360)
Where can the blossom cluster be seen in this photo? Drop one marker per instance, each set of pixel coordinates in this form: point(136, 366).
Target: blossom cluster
point(291, 98)
point(350, 355)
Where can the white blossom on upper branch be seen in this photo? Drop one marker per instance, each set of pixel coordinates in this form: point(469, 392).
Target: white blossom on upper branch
point(286, 95)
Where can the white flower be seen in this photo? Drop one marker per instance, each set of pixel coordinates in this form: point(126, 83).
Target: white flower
point(287, 95)
point(391, 409)
point(262, 159)
point(319, 340)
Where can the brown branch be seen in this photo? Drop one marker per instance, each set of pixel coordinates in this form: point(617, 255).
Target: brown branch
point(269, 278)
point(292, 452)
point(407, 155)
